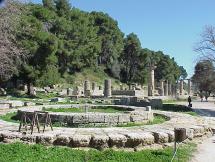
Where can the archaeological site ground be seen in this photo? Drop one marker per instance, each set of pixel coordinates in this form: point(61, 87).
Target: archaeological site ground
point(75, 85)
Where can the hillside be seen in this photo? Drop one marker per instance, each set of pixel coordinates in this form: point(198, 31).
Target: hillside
point(62, 44)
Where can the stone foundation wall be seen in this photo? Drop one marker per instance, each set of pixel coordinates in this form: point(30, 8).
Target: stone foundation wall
point(95, 118)
point(128, 93)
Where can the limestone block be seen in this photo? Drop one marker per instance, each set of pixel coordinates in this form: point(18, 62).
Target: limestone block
point(133, 139)
point(123, 118)
point(161, 137)
point(96, 118)
point(69, 92)
point(47, 139)
point(117, 140)
point(198, 131)
point(37, 89)
point(29, 104)
point(190, 133)
point(28, 138)
point(171, 134)
point(69, 120)
point(16, 103)
point(48, 89)
point(147, 138)
point(112, 119)
point(62, 140)
point(136, 118)
point(63, 92)
point(80, 119)
point(9, 137)
point(99, 141)
point(4, 105)
point(148, 108)
point(80, 140)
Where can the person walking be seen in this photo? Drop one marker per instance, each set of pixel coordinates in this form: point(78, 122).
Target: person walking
point(189, 101)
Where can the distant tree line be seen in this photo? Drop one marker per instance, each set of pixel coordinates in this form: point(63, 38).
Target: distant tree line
point(204, 74)
point(58, 40)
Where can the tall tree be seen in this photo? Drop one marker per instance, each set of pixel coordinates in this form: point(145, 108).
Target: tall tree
point(10, 54)
point(49, 4)
point(206, 47)
point(63, 7)
point(130, 57)
point(111, 39)
point(167, 68)
point(204, 76)
point(183, 72)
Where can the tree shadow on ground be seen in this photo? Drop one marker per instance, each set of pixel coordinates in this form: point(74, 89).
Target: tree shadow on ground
point(205, 112)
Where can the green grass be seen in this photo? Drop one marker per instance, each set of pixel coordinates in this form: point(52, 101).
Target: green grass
point(174, 100)
point(158, 119)
point(9, 117)
point(18, 152)
point(191, 113)
point(94, 75)
point(106, 109)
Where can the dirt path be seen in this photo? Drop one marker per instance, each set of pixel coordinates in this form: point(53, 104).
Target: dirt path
point(206, 150)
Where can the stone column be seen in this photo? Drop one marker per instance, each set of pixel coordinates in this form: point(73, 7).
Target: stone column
point(174, 90)
point(161, 88)
point(93, 86)
point(130, 87)
point(181, 87)
point(107, 88)
point(151, 81)
point(121, 87)
point(189, 87)
point(133, 87)
point(86, 88)
point(170, 89)
point(166, 89)
point(75, 91)
point(69, 92)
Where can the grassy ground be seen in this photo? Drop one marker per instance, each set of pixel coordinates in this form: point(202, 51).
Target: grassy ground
point(81, 110)
point(9, 117)
point(37, 153)
point(174, 100)
point(158, 119)
point(93, 75)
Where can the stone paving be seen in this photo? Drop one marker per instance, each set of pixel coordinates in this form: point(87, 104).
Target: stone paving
point(133, 138)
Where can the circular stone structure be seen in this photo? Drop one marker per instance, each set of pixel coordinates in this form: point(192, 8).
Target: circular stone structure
point(126, 138)
point(94, 119)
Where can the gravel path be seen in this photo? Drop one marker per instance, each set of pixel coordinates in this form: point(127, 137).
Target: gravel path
point(206, 149)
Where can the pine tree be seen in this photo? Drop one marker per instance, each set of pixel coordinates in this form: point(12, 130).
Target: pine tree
point(49, 4)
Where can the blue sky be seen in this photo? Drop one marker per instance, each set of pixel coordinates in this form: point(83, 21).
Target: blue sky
point(172, 26)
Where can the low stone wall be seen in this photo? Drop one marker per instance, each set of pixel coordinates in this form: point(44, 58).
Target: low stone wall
point(126, 138)
point(10, 104)
point(123, 92)
point(96, 118)
point(135, 101)
point(135, 138)
point(137, 93)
